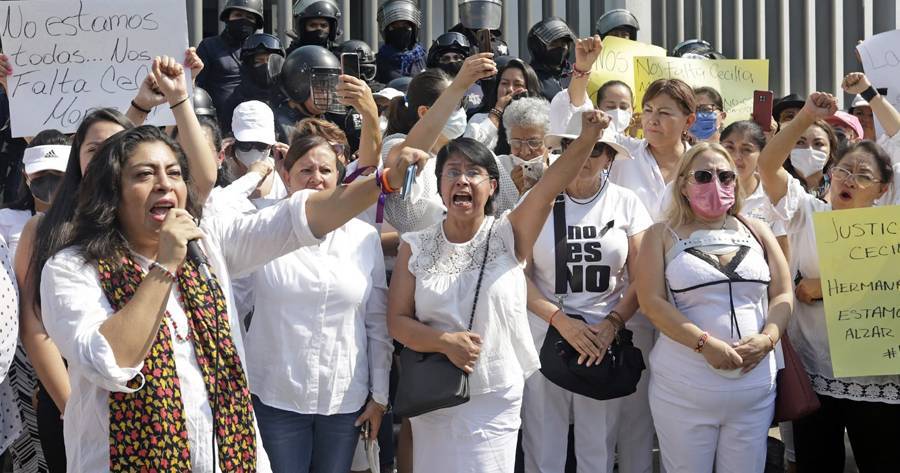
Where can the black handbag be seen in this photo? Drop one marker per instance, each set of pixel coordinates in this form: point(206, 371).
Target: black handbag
point(619, 371)
point(430, 381)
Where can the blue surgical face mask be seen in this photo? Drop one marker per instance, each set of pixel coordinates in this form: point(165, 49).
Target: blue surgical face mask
point(705, 125)
point(456, 125)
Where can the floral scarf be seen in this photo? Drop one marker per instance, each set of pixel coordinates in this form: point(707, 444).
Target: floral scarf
point(147, 428)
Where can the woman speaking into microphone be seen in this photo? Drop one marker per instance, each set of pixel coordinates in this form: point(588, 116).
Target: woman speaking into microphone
point(154, 348)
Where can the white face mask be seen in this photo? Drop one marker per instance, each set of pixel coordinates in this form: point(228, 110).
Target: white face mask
point(808, 161)
point(249, 157)
point(620, 119)
point(456, 125)
point(382, 124)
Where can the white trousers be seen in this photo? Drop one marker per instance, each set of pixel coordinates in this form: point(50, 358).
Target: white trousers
point(479, 436)
point(545, 433)
point(699, 429)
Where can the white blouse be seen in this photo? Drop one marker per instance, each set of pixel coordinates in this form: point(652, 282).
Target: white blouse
point(446, 278)
point(807, 328)
point(10, 421)
point(325, 355)
point(74, 307)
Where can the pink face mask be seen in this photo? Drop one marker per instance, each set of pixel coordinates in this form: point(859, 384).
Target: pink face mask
point(710, 200)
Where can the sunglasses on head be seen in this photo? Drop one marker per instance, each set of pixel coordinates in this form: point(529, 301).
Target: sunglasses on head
point(705, 176)
point(247, 146)
point(598, 150)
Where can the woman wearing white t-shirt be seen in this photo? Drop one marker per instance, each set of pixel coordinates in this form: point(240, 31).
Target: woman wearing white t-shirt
point(717, 287)
point(604, 223)
point(867, 407)
point(310, 403)
point(668, 113)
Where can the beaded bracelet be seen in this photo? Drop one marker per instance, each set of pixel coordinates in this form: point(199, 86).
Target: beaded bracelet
point(701, 342)
point(578, 74)
point(616, 319)
point(496, 112)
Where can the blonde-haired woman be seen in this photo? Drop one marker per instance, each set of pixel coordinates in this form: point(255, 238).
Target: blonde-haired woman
point(721, 296)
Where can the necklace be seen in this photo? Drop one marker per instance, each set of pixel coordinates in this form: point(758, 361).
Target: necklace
point(593, 198)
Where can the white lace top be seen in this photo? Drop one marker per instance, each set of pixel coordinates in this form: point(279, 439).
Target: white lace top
point(446, 278)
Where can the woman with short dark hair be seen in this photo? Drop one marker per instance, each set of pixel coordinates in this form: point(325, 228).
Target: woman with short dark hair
point(471, 263)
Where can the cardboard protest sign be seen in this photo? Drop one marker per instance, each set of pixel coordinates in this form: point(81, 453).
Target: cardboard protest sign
point(735, 79)
point(859, 253)
point(880, 57)
point(72, 56)
point(616, 62)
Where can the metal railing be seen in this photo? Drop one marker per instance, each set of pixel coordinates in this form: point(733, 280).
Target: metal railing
point(809, 44)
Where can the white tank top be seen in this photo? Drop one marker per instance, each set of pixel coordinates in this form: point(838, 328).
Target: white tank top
point(727, 301)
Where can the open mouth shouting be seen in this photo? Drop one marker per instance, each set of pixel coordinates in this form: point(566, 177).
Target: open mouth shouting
point(159, 210)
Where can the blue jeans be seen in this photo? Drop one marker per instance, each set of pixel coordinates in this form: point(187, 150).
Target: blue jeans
point(307, 442)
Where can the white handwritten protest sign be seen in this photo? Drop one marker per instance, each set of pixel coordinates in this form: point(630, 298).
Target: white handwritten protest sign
point(71, 56)
point(880, 56)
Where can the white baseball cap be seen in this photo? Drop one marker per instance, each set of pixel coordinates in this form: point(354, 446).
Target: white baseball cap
point(46, 158)
point(253, 121)
point(388, 93)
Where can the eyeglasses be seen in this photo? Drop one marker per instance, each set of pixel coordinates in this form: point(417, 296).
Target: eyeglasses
point(596, 151)
point(534, 144)
point(247, 146)
point(472, 175)
point(861, 180)
point(705, 176)
point(707, 108)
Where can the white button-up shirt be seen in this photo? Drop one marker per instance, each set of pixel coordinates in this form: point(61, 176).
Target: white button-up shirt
point(74, 307)
point(318, 340)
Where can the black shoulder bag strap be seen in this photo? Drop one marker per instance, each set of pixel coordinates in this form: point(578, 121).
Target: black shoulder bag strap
point(560, 240)
point(487, 249)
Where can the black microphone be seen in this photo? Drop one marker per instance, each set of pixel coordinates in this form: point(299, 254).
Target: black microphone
point(195, 254)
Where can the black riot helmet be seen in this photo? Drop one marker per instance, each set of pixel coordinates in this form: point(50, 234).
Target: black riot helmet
point(367, 67)
point(260, 43)
point(615, 19)
point(203, 104)
point(252, 6)
point(446, 43)
point(399, 10)
point(327, 9)
point(545, 32)
point(695, 49)
point(312, 71)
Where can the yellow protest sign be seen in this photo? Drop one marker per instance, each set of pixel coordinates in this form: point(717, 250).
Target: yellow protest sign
point(859, 257)
point(735, 79)
point(616, 62)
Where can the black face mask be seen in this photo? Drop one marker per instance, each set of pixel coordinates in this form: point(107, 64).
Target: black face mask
point(451, 68)
point(259, 75)
point(399, 38)
point(315, 38)
point(240, 28)
point(43, 187)
point(554, 57)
